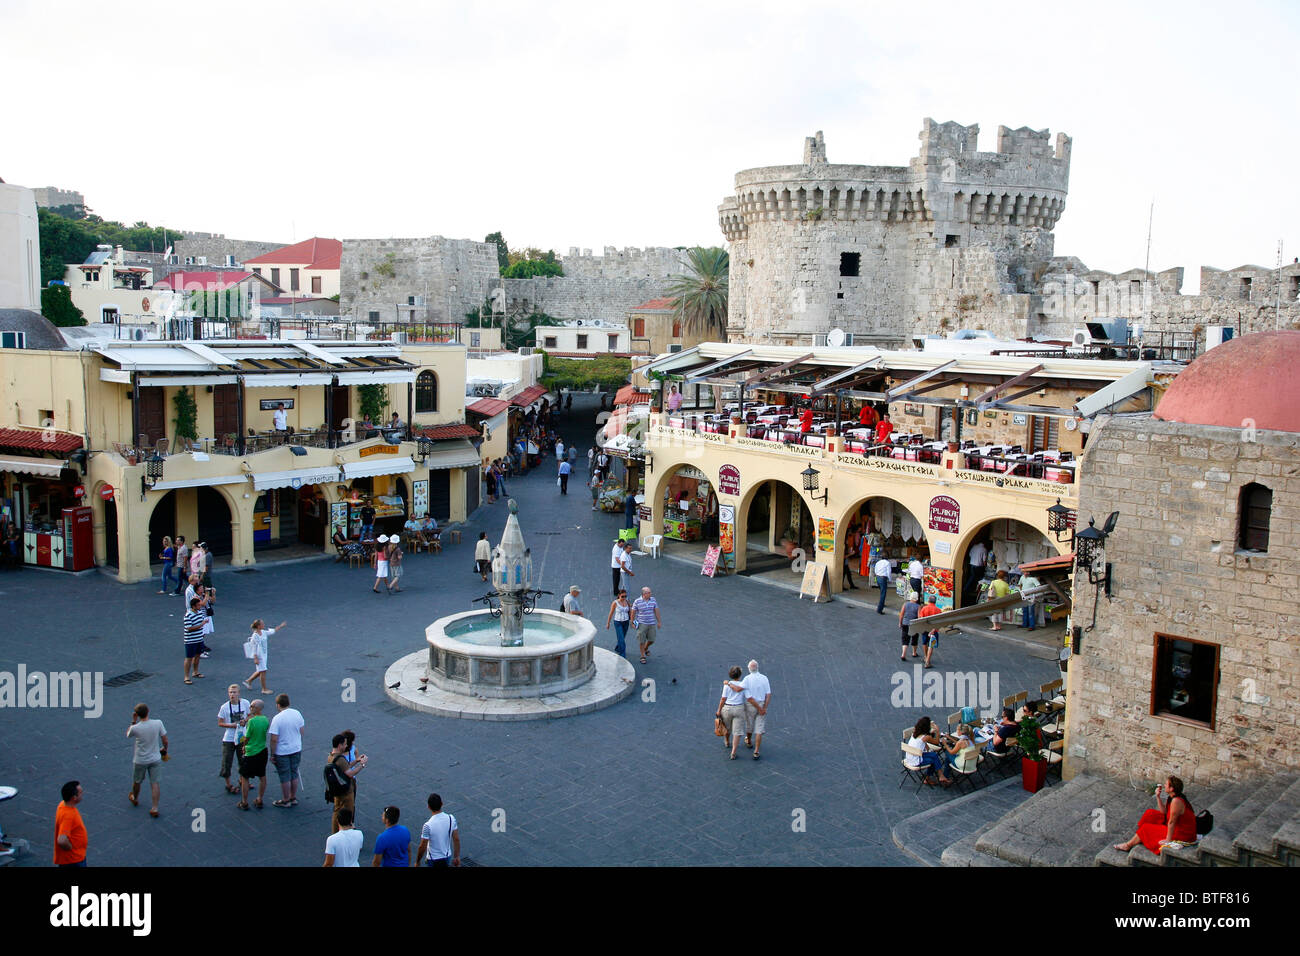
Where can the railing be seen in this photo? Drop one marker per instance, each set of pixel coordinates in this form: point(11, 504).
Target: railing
point(240, 445)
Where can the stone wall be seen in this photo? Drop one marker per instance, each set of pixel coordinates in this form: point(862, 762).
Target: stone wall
point(50, 197)
point(216, 248)
point(1176, 571)
point(451, 276)
point(629, 263)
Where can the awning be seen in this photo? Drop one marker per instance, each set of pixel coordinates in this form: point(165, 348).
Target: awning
point(278, 380)
point(297, 477)
point(529, 395)
point(32, 466)
point(170, 380)
point(631, 395)
point(452, 454)
point(488, 406)
point(377, 377)
point(40, 439)
point(200, 482)
point(384, 466)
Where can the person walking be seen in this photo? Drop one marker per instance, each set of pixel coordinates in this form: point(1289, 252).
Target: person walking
point(593, 483)
point(573, 456)
point(394, 565)
point(572, 603)
point(490, 484)
point(252, 759)
point(731, 710)
point(591, 459)
point(195, 619)
point(393, 847)
point(882, 571)
point(929, 638)
point(208, 560)
point(343, 785)
point(284, 739)
point(620, 613)
point(646, 621)
point(976, 555)
point(182, 563)
point(380, 562)
point(560, 450)
point(70, 838)
point(150, 738)
point(758, 696)
point(343, 846)
point(565, 468)
point(1029, 613)
point(616, 565)
point(196, 560)
point(367, 520)
point(625, 547)
point(439, 837)
point(231, 718)
point(483, 555)
point(260, 635)
point(500, 475)
point(908, 613)
point(998, 589)
point(915, 574)
point(629, 510)
point(168, 558)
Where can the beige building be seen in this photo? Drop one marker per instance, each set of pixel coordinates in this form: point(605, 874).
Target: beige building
point(656, 328)
point(308, 269)
point(241, 485)
point(108, 290)
point(584, 337)
point(20, 249)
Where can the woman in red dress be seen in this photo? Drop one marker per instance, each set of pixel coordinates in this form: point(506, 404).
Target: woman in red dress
point(1173, 822)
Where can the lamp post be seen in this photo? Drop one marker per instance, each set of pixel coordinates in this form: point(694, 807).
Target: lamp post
point(153, 472)
point(811, 481)
point(1060, 520)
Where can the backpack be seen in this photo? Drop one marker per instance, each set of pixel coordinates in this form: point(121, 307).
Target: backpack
point(1204, 822)
point(337, 783)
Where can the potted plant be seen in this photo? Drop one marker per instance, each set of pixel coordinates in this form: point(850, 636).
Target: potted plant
point(1033, 768)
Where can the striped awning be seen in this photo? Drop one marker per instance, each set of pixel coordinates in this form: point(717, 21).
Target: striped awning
point(20, 464)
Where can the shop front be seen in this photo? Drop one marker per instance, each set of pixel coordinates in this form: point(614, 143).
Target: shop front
point(690, 506)
point(43, 518)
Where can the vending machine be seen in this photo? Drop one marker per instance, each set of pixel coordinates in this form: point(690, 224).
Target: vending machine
point(78, 539)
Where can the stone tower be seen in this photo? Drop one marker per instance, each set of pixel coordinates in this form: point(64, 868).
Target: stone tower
point(954, 239)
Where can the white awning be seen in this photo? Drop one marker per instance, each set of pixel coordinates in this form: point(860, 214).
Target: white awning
point(32, 466)
point(382, 466)
point(456, 453)
point(199, 482)
point(385, 376)
point(279, 380)
point(297, 477)
point(146, 380)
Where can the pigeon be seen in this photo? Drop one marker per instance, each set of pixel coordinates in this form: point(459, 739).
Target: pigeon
point(395, 686)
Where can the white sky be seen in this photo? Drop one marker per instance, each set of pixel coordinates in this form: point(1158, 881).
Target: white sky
point(594, 124)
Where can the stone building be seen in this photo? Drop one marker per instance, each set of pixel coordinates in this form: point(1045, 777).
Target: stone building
point(52, 197)
point(429, 280)
point(956, 239)
point(216, 251)
point(602, 288)
point(1189, 667)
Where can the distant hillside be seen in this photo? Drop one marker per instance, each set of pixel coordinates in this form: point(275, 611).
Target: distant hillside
point(67, 240)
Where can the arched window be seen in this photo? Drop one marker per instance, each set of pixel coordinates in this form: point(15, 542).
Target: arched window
point(1255, 507)
point(426, 392)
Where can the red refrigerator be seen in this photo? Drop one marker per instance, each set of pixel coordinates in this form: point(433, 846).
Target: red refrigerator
point(78, 539)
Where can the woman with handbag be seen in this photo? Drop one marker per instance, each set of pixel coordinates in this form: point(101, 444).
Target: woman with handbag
point(731, 711)
point(257, 644)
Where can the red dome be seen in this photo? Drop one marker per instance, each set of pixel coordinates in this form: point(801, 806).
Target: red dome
point(1254, 378)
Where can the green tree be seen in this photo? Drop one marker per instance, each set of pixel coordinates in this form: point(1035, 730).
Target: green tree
point(532, 262)
point(373, 399)
point(66, 241)
point(701, 295)
point(187, 414)
point(516, 325)
point(503, 251)
point(56, 305)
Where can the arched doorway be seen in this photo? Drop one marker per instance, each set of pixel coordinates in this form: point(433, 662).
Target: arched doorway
point(111, 557)
point(214, 520)
point(880, 527)
point(162, 521)
point(777, 520)
point(1006, 544)
point(690, 505)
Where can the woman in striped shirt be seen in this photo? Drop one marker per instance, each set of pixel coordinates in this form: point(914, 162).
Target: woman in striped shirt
point(195, 618)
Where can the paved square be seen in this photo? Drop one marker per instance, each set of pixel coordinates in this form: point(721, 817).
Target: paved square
point(640, 783)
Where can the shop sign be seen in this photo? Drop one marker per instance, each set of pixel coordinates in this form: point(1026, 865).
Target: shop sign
point(106, 492)
point(825, 534)
point(420, 498)
point(379, 450)
point(711, 555)
point(690, 471)
point(79, 491)
point(728, 480)
point(938, 581)
point(271, 404)
point(643, 513)
point(727, 534)
point(945, 514)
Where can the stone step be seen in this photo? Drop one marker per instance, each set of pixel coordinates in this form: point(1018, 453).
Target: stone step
point(1218, 844)
point(963, 852)
point(1222, 806)
point(1287, 839)
point(1258, 841)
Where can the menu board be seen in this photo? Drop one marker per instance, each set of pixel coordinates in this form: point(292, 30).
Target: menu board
point(938, 581)
point(711, 555)
point(814, 582)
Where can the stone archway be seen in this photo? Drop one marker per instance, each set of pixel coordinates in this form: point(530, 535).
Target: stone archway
point(1012, 540)
point(845, 520)
point(782, 497)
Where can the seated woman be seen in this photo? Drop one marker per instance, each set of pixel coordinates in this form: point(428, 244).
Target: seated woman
point(1007, 730)
point(1174, 822)
point(959, 743)
point(344, 547)
point(922, 734)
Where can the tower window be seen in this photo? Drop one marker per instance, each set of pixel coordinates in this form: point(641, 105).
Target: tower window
point(951, 242)
point(850, 263)
point(1185, 679)
point(1255, 508)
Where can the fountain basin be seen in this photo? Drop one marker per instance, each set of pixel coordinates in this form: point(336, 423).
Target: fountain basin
point(465, 655)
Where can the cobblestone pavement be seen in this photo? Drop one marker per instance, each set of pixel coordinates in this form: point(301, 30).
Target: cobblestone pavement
point(641, 783)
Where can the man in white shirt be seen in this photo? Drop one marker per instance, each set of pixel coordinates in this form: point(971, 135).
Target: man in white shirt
point(758, 694)
point(344, 847)
point(882, 571)
point(284, 741)
point(439, 837)
point(280, 419)
point(616, 565)
point(559, 450)
point(231, 716)
point(915, 573)
point(975, 559)
point(572, 602)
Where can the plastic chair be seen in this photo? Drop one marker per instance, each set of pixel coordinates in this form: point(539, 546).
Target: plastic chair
point(652, 544)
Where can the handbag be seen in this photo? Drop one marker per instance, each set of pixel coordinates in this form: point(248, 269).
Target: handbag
point(250, 648)
point(719, 728)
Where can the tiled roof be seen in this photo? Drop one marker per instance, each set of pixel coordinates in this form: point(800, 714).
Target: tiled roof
point(529, 395)
point(488, 407)
point(34, 439)
point(210, 281)
point(655, 305)
point(313, 253)
point(630, 395)
point(443, 432)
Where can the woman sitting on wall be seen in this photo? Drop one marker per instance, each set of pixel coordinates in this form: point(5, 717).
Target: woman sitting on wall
point(1174, 822)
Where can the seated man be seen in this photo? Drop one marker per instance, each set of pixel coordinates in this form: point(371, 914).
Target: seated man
point(1006, 732)
point(429, 531)
point(412, 529)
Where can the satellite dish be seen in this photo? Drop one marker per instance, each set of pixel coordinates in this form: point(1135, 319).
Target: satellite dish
point(835, 338)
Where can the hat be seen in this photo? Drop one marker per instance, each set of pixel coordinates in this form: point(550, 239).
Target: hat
point(574, 587)
point(383, 538)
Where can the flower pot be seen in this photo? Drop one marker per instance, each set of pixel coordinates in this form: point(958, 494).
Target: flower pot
point(1033, 774)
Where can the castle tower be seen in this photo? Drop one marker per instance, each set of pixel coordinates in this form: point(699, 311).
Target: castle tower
point(888, 252)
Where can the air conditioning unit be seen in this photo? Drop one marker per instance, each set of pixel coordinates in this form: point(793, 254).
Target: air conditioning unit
point(137, 335)
point(230, 260)
point(1080, 338)
point(1217, 335)
point(525, 350)
point(674, 348)
point(399, 338)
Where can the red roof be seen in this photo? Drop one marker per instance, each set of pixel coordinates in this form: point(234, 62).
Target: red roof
point(207, 281)
point(488, 407)
point(443, 432)
point(34, 439)
point(529, 395)
point(630, 395)
point(656, 305)
point(1247, 379)
point(313, 253)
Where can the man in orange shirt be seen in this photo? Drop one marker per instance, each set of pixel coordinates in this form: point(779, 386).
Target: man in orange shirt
point(929, 638)
point(884, 429)
point(868, 417)
point(69, 831)
point(805, 420)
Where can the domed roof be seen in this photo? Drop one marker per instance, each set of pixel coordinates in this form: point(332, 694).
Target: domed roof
point(1254, 378)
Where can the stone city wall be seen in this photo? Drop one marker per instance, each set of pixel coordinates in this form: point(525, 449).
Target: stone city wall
point(451, 276)
point(216, 248)
point(1176, 570)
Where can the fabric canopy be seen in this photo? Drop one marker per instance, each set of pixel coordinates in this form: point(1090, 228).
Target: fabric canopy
point(383, 466)
point(32, 466)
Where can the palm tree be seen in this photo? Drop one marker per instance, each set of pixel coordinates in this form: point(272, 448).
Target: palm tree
point(700, 296)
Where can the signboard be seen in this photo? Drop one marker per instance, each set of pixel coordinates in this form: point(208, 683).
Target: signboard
point(420, 498)
point(79, 491)
point(339, 518)
point(945, 514)
point(643, 513)
point(814, 582)
point(943, 547)
point(728, 480)
point(711, 556)
point(106, 492)
point(825, 534)
point(727, 534)
point(271, 404)
point(938, 581)
point(379, 450)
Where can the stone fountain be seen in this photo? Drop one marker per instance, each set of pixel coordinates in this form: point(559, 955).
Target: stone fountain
point(512, 660)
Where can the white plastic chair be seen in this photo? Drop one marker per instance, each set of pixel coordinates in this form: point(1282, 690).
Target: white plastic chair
point(651, 544)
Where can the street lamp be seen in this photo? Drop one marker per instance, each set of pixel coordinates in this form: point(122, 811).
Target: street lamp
point(1090, 551)
point(153, 472)
point(1060, 520)
point(811, 480)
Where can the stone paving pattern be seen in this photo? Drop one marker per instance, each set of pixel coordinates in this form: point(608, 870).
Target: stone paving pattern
point(636, 784)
